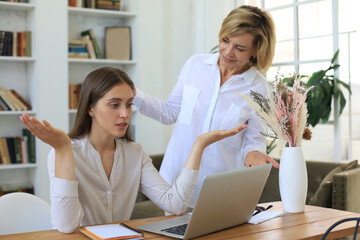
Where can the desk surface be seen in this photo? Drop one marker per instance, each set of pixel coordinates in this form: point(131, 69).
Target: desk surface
point(310, 224)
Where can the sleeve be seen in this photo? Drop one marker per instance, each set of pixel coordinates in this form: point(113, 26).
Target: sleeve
point(173, 199)
point(254, 138)
point(66, 210)
point(167, 111)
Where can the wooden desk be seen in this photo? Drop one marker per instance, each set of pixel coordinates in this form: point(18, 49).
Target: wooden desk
point(310, 224)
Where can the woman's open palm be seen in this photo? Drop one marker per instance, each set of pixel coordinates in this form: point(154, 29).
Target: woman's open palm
point(45, 132)
point(217, 135)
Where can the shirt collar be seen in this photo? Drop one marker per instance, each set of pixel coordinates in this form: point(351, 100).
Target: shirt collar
point(248, 76)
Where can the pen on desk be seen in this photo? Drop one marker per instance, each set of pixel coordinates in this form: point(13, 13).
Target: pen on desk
point(259, 209)
point(131, 228)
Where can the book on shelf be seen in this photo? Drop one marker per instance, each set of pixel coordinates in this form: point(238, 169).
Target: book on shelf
point(4, 152)
point(93, 39)
point(30, 142)
point(16, 44)
point(118, 43)
point(108, 4)
point(100, 4)
point(74, 91)
point(13, 150)
point(10, 100)
point(6, 97)
point(26, 105)
point(10, 146)
point(4, 105)
point(78, 49)
point(89, 46)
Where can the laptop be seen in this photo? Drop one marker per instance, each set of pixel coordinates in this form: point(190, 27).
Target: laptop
point(226, 199)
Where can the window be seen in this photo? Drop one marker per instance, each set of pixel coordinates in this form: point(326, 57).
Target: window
point(309, 32)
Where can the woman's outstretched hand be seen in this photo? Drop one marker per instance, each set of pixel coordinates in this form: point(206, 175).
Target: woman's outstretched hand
point(204, 140)
point(59, 140)
point(45, 132)
point(208, 138)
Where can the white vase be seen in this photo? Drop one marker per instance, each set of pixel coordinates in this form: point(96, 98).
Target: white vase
point(293, 181)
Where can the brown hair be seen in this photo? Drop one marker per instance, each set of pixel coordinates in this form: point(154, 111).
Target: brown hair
point(259, 23)
point(95, 86)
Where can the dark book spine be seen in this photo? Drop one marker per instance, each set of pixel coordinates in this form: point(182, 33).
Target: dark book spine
point(2, 38)
point(30, 145)
point(4, 105)
point(10, 145)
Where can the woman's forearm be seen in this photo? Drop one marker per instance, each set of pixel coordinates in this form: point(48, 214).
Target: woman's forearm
point(194, 159)
point(65, 163)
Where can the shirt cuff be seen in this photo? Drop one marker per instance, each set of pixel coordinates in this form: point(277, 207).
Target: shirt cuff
point(64, 187)
point(139, 97)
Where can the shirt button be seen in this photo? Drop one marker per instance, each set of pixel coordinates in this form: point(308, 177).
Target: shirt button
point(170, 196)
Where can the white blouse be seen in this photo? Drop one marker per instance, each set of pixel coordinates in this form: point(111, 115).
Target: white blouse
point(95, 199)
point(197, 105)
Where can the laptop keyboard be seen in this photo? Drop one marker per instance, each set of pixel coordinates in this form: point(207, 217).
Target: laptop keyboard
point(180, 230)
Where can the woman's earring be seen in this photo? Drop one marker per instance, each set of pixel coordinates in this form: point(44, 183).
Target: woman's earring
point(253, 59)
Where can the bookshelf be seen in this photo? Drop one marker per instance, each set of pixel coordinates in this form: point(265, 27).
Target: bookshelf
point(19, 73)
point(80, 19)
point(43, 79)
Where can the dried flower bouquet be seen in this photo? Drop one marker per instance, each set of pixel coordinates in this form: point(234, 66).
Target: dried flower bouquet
point(284, 111)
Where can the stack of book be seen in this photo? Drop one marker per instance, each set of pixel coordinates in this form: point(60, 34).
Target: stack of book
point(16, 44)
point(74, 90)
point(10, 100)
point(19, 149)
point(108, 4)
point(78, 49)
point(100, 4)
point(87, 47)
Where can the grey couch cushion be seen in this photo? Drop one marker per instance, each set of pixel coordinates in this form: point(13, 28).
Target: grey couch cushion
point(322, 196)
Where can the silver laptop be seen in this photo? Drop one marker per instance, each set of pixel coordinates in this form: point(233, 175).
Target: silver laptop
point(226, 199)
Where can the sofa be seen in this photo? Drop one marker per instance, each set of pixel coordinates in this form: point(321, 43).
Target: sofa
point(343, 188)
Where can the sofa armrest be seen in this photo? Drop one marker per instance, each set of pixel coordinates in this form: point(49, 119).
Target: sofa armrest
point(346, 194)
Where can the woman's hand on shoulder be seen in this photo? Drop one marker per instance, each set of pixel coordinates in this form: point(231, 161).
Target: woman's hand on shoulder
point(55, 137)
point(255, 158)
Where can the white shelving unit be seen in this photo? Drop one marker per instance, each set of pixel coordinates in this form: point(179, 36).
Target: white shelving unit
point(43, 79)
point(18, 73)
point(80, 19)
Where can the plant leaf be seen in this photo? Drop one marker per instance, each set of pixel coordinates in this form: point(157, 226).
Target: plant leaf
point(335, 56)
point(315, 78)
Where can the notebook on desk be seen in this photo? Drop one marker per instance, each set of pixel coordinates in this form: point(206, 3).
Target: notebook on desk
point(226, 199)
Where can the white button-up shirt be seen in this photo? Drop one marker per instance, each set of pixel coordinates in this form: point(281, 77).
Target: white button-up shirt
point(198, 104)
point(95, 199)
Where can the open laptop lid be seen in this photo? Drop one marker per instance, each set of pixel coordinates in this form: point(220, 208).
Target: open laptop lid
point(227, 199)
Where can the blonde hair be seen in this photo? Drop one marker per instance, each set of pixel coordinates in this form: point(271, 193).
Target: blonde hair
point(259, 23)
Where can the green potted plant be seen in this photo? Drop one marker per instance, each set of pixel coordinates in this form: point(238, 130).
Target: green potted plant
point(324, 90)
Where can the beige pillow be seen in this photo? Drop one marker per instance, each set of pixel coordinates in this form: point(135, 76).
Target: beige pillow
point(322, 197)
